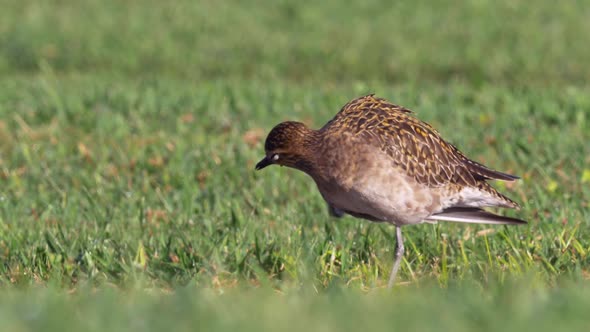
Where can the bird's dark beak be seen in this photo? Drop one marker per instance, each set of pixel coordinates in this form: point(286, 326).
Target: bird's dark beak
point(263, 163)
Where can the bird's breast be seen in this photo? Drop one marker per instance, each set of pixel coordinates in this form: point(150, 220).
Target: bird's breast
point(381, 190)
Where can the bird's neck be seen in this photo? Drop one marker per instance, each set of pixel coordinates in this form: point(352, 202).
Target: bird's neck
point(309, 159)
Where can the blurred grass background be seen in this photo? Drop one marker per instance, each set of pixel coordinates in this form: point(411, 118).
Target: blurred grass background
point(129, 131)
point(330, 41)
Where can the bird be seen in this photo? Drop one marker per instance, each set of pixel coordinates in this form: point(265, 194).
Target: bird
point(374, 160)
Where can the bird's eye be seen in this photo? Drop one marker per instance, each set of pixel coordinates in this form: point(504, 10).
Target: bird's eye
point(275, 157)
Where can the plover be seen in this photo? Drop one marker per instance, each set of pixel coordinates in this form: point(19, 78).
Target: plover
point(375, 161)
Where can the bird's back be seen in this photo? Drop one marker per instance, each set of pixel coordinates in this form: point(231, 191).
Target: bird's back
point(415, 148)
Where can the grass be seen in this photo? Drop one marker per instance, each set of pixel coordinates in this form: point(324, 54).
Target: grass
point(128, 198)
point(462, 307)
point(480, 41)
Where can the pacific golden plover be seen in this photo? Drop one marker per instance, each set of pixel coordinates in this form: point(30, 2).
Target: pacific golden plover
point(375, 161)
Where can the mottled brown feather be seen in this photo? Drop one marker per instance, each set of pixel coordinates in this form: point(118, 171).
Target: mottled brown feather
point(413, 145)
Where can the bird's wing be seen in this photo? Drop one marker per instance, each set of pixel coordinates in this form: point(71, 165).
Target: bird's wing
point(413, 145)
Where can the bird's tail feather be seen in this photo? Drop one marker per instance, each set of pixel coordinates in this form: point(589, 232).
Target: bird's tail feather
point(474, 216)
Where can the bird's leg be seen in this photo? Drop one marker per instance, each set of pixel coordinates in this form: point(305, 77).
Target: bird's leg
point(399, 254)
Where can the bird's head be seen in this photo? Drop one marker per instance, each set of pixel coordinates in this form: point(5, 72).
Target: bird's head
point(288, 144)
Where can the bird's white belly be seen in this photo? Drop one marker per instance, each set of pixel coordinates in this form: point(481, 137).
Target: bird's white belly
point(387, 195)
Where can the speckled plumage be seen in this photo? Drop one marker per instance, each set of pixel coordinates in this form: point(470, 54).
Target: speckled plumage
point(375, 161)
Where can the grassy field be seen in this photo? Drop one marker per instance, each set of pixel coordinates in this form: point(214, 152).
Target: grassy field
point(129, 133)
